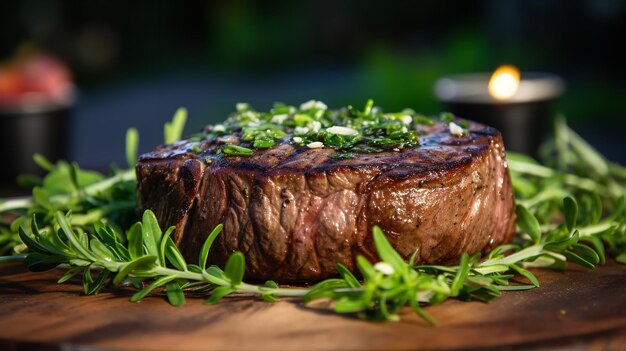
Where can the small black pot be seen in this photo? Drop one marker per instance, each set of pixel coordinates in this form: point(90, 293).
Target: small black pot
point(523, 120)
point(26, 131)
point(524, 126)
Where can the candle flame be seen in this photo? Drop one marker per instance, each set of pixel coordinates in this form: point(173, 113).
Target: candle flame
point(504, 82)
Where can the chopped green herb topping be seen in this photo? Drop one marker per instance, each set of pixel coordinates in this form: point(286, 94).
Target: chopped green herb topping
point(447, 117)
point(347, 130)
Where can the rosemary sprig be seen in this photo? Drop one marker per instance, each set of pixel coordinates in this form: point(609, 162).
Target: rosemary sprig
point(144, 257)
point(393, 283)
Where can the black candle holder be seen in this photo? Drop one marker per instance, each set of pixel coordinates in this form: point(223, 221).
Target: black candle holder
point(523, 119)
point(26, 129)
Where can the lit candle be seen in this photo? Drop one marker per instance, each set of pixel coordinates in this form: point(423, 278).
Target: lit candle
point(517, 104)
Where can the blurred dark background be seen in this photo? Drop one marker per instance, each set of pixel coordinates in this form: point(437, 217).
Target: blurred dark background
point(135, 62)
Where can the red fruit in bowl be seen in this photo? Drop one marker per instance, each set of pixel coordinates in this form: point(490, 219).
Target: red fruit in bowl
point(36, 78)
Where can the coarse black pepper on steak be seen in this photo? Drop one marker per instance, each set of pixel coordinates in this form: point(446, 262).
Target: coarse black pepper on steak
point(295, 212)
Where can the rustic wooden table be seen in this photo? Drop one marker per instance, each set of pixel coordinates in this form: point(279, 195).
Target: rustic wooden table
point(576, 309)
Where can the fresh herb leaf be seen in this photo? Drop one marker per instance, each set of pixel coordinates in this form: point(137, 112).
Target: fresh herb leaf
point(204, 251)
point(175, 294)
point(132, 143)
point(218, 294)
point(236, 150)
point(570, 211)
point(528, 223)
point(151, 234)
point(234, 269)
point(173, 130)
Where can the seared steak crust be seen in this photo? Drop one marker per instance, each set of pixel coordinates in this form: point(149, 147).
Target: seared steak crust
point(295, 212)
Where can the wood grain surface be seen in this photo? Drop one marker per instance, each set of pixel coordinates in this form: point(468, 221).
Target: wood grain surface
point(576, 309)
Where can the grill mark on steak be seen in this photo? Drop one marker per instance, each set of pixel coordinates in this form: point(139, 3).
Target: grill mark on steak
point(296, 212)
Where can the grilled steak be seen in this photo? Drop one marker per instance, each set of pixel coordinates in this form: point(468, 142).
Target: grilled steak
point(296, 211)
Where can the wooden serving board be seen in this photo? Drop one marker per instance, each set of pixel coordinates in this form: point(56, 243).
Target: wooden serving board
point(578, 308)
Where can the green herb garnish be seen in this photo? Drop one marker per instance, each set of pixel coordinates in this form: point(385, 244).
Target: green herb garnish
point(346, 129)
point(263, 142)
point(235, 150)
point(446, 117)
point(423, 120)
point(144, 257)
point(174, 130)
